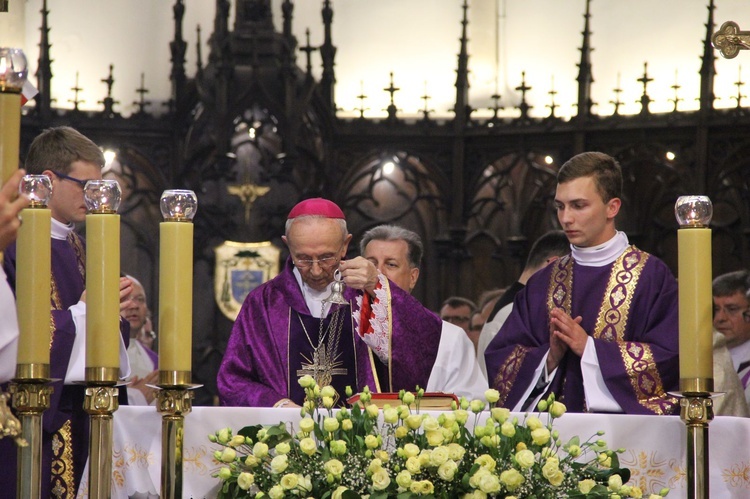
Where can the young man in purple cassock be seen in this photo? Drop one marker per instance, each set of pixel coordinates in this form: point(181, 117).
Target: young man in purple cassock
point(382, 338)
point(69, 159)
point(599, 327)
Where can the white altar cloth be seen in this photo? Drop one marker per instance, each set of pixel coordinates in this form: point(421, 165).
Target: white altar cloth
point(655, 449)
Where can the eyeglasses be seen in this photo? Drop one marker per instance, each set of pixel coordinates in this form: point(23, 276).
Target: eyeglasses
point(78, 181)
point(746, 315)
point(324, 263)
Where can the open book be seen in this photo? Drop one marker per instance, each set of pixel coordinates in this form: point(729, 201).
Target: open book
point(429, 401)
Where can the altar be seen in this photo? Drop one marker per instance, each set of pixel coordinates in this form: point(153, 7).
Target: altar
point(655, 449)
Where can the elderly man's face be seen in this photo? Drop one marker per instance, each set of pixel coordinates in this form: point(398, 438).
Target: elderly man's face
point(391, 259)
point(136, 312)
point(316, 246)
point(728, 318)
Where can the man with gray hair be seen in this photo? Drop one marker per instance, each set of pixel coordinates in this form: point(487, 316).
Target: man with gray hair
point(397, 253)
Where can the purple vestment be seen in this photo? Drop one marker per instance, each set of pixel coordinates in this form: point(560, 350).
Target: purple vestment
point(631, 312)
point(262, 361)
point(65, 425)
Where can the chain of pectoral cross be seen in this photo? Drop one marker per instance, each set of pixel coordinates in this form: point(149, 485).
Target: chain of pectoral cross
point(326, 359)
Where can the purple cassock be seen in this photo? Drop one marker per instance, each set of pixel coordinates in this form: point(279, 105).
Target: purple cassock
point(629, 307)
point(273, 340)
point(65, 425)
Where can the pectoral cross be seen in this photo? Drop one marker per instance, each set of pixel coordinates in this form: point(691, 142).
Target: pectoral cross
point(323, 367)
point(729, 40)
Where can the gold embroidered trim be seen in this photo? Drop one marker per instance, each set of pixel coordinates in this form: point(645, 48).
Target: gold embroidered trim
point(559, 293)
point(77, 244)
point(645, 378)
point(62, 462)
point(618, 296)
point(508, 372)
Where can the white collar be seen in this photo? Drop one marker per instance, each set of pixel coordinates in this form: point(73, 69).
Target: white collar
point(61, 230)
point(603, 254)
point(314, 298)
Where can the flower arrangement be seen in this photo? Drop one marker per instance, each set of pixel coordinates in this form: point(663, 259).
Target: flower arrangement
point(399, 453)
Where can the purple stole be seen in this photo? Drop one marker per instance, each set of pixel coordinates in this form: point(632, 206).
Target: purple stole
point(628, 307)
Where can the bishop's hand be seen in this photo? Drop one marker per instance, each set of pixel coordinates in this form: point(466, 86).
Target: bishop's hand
point(359, 273)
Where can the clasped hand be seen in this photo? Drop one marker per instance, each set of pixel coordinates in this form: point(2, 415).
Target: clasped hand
point(565, 333)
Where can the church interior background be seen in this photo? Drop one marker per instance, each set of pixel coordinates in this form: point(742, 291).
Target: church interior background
point(448, 117)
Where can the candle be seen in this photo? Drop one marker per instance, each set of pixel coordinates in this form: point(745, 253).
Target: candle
point(12, 77)
point(102, 275)
point(176, 281)
point(694, 281)
point(33, 273)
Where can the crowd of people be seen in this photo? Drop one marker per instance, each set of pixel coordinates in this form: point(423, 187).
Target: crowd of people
point(591, 318)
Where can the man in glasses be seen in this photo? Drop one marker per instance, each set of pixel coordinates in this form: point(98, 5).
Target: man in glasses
point(69, 159)
point(732, 320)
point(286, 327)
point(397, 253)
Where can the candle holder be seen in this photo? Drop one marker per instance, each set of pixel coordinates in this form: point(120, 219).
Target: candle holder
point(174, 398)
point(693, 214)
point(102, 198)
point(31, 389)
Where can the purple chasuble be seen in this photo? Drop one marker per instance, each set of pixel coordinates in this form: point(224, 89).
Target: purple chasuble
point(264, 353)
point(632, 316)
point(65, 424)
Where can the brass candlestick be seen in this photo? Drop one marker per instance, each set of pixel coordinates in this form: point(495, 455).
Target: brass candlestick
point(696, 411)
point(100, 403)
point(31, 392)
point(174, 401)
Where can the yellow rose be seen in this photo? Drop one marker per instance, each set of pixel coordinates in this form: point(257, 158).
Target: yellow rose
point(636, 492)
point(225, 473)
point(476, 406)
point(330, 424)
point(306, 381)
point(339, 492)
point(492, 395)
point(282, 448)
point(245, 480)
point(224, 435)
point(276, 492)
point(390, 416)
point(327, 402)
point(434, 438)
point(308, 446)
point(372, 410)
point(279, 464)
point(574, 450)
point(438, 456)
point(486, 462)
point(228, 455)
point(380, 479)
point(307, 425)
point(401, 432)
point(455, 451)
point(338, 447)
point(508, 429)
point(412, 465)
point(424, 457)
point(500, 414)
point(533, 422)
point(260, 450)
point(411, 450)
point(447, 419)
point(237, 440)
point(426, 487)
point(414, 421)
point(289, 481)
point(525, 458)
point(490, 484)
point(346, 425)
point(447, 470)
point(403, 479)
point(371, 441)
point(540, 436)
point(382, 455)
point(461, 416)
point(605, 460)
point(334, 467)
point(557, 409)
point(614, 483)
point(327, 391)
point(408, 398)
point(251, 461)
point(585, 486)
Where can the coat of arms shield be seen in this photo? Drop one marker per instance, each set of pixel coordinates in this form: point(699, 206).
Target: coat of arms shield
point(240, 268)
